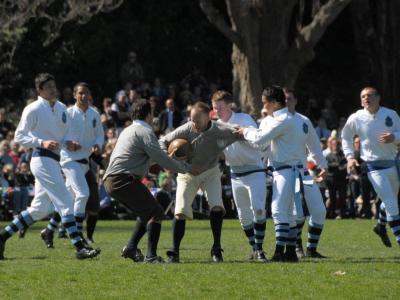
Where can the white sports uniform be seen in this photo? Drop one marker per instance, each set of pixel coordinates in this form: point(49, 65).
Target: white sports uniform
point(287, 154)
point(40, 122)
point(379, 157)
point(87, 130)
point(249, 190)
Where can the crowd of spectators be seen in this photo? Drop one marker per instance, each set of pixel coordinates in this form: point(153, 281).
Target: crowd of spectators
point(346, 194)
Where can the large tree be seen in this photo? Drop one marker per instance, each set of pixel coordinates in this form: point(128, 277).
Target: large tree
point(52, 15)
point(272, 40)
point(377, 40)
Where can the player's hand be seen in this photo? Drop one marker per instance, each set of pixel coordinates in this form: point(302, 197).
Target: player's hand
point(321, 176)
point(351, 164)
point(386, 138)
point(239, 131)
point(96, 149)
point(73, 146)
point(180, 158)
point(50, 145)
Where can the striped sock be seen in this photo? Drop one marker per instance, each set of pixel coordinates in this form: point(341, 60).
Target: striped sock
point(20, 222)
point(249, 232)
point(292, 236)
point(79, 218)
point(281, 234)
point(314, 233)
point(299, 232)
point(394, 223)
point(382, 216)
point(259, 232)
point(70, 226)
point(54, 221)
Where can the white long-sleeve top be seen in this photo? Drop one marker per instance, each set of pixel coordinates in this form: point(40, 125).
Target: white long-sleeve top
point(312, 142)
point(241, 156)
point(86, 129)
point(286, 137)
point(369, 127)
point(40, 122)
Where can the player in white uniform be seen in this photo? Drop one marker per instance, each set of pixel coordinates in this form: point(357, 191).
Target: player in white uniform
point(287, 153)
point(312, 194)
point(247, 175)
point(379, 131)
point(86, 132)
point(43, 126)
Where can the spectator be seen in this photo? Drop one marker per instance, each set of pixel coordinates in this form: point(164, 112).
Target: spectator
point(322, 130)
point(5, 125)
point(159, 90)
point(24, 181)
point(132, 71)
point(170, 118)
point(5, 158)
point(120, 111)
point(329, 114)
point(14, 153)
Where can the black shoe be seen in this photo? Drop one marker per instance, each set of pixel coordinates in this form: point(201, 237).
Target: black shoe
point(216, 255)
point(47, 237)
point(172, 257)
point(153, 260)
point(259, 256)
point(90, 240)
point(21, 233)
point(381, 231)
point(135, 255)
point(278, 257)
point(299, 251)
point(2, 248)
point(312, 253)
point(291, 257)
point(85, 253)
point(62, 235)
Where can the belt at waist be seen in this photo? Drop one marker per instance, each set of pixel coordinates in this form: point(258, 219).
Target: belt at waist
point(83, 161)
point(42, 152)
point(380, 165)
point(284, 167)
point(235, 175)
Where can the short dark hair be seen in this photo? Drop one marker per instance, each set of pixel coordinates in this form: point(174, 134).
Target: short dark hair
point(222, 95)
point(42, 78)
point(82, 84)
point(275, 93)
point(202, 106)
point(141, 109)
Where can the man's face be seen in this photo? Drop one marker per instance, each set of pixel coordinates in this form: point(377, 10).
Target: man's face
point(82, 95)
point(269, 105)
point(222, 109)
point(48, 91)
point(370, 99)
point(291, 101)
point(169, 104)
point(199, 120)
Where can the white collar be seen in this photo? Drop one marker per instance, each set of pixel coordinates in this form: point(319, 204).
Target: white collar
point(142, 123)
point(280, 112)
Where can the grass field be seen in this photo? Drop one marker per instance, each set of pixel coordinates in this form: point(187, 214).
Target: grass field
point(359, 267)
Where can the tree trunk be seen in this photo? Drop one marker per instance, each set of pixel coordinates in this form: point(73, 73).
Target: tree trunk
point(269, 47)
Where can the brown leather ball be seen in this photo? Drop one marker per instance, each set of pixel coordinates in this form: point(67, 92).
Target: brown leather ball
point(182, 147)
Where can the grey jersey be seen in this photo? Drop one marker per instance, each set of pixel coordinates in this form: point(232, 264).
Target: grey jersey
point(137, 145)
point(206, 146)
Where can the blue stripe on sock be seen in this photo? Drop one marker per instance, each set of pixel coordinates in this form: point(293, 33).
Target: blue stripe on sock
point(27, 217)
point(316, 225)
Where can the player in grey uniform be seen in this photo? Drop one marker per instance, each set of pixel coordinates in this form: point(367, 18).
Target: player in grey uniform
point(208, 139)
point(137, 145)
point(43, 126)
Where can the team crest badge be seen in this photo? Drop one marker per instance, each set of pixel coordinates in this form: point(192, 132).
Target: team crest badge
point(64, 117)
point(94, 123)
point(388, 121)
point(305, 128)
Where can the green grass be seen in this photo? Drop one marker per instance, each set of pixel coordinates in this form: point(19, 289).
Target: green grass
point(370, 271)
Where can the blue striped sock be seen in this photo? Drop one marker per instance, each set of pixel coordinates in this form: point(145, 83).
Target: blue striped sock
point(382, 216)
point(300, 226)
point(79, 218)
point(281, 233)
point(314, 234)
point(394, 223)
point(70, 226)
point(292, 236)
point(259, 232)
point(249, 231)
point(20, 222)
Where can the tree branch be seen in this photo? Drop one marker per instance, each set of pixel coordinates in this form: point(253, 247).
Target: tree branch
point(309, 35)
point(217, 19)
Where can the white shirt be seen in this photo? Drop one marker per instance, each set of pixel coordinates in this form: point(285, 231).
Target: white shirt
point(40, 122)
point(312, 141)
point(241, 154)
point(369, 127)
point(286, 137)
point(86, 129)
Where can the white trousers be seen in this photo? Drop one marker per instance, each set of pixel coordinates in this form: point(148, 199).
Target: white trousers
point(50, 189)
point(283, 197)
point(77, 185)
point(249, 193)
point(315, 203)
point(386, 185)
